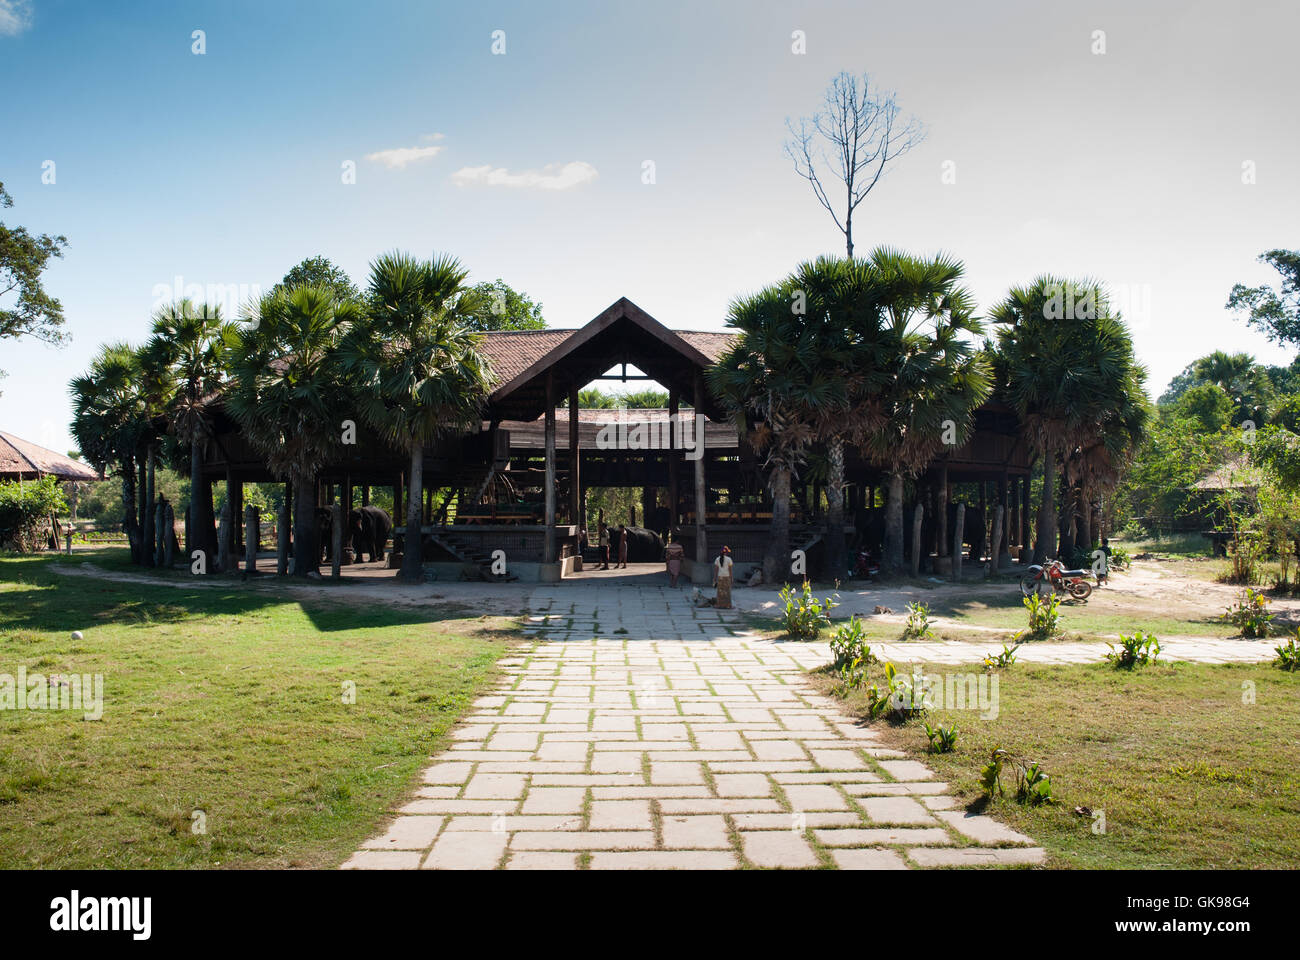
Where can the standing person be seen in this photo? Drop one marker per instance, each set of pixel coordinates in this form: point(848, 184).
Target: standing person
point(722, 568)
point(1102, 569)
point(673, 554)
point(602, 537)
point(622, 546)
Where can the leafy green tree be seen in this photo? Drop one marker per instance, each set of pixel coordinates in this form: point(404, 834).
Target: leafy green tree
point(934, 379)
point(416, 368)
point(1208, 405)
point(23, 258)
point(109, 424)
point(290, 396)
point(320, 272)
point(1276, 312)
point(496, 305)
point(1066, 364)
point(768, 380)
point(1247, 384)
point(190, 345)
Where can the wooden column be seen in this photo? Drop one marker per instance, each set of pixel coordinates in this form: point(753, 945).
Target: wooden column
point(548, 555)
point(674, 457)
point(575, 465)
point(701, 498)
point(958, 538)
point(1026, 517)
point(945, 497)
point(365, 494)
point(235, 497)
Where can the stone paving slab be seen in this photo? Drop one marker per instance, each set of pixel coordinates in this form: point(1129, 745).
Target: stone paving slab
point(686, 742)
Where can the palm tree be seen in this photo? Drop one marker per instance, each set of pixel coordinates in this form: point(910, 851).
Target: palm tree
point(189, 347)
point(769, 380)
point(108, 421)
point(1066, 376)
point(290, 395)
point(841, 332)
point(416, 368)
point(935, 380)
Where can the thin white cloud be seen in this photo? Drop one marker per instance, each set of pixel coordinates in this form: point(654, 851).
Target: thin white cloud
point(399, 157)
point(15, 17)
point(553, 176)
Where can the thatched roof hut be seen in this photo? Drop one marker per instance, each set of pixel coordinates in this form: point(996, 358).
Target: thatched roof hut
point(21, 460)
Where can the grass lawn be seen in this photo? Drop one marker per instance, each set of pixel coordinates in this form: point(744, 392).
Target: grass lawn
point(1188, 775)
point(227, 701)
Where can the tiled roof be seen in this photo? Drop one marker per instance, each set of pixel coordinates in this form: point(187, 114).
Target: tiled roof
point(20, 458)
point(511, 352)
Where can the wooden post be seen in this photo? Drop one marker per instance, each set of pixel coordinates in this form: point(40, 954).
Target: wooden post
point(282, 539)
point(958, 529)
point(995, 551)
point(918, 514)
point(575, 481)
point(945, 498)
point(348, 556)
point(336, 537)
point(701, 498)
point(548, 555)
point(252, 533)
point(227, 559)
point(365, 494)
point(1026, 517)
point(674, 458)
point(169, 538)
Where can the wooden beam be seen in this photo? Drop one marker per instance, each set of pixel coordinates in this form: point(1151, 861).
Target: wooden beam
point(549, 550)
point(674, 457)
point(701, 499)
point(575, 497)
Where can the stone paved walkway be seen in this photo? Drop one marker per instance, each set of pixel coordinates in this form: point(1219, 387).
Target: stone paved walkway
point(638, 732)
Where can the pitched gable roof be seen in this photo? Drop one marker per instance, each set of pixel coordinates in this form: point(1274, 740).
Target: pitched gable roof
point(19, 458)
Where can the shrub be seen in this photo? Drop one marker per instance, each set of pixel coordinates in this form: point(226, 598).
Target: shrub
point(1044, 618)
point(942, 738)
point(850, 643)
point(1135, 651)
point(1033, 784)
point(805, 616)
point(1288, 656)
point(897, 699)
point(1250, 613)
point(1119, 558)
point(24, 510)
point(996, 661)
point(918, 626)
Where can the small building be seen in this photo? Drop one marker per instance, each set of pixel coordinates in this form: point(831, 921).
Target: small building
point(21, 460)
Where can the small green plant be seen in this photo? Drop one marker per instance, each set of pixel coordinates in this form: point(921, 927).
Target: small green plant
point(1250, 613)
point(850, 643)
point(991, 774)
point(805, 616)
point(997, 661)
point(1288, 655)
point(942, 738)
point(897, 698)
point(1135, 651)
point(1044, 618)
point(852, 675)
point(918, 626)
point(1033, 784)
point(1119, 558)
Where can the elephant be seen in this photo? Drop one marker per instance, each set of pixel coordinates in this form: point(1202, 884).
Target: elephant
point(325, 532)
point(369, 529)
point(643, 546)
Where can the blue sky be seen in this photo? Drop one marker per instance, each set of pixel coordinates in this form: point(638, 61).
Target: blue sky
point(225, 168)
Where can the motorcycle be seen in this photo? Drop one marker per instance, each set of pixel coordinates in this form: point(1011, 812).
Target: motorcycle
point(865, 566)
point(1055, 578)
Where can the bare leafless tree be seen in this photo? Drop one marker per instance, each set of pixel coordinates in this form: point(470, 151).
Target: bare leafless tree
point(853, 138)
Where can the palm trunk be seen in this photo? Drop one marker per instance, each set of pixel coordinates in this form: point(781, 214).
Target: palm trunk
point(306, 547)
point(894, 525)
point(1046, 544)
point(150, 529)
point(835, 561)
point(412, 543)
point(142, 513)
point(776, 560)
point(202, 527)
point(130, 510)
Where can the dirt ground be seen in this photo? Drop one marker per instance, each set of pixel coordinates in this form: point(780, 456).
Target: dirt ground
point(1148, 588)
